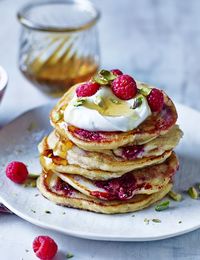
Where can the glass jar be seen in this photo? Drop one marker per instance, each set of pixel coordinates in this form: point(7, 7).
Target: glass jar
point(58, 44)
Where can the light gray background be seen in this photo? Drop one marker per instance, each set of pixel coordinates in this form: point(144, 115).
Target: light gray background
point(156, 41)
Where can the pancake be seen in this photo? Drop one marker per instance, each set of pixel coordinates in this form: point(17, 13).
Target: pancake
point(154, 152)
point(145, 181)
point(56, 164)
point(155, 147)
point(99, 161)
point(62, 194)
point(155, 125)
point(106, 162)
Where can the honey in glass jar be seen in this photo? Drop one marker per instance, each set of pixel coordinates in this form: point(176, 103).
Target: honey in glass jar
point(58, 44)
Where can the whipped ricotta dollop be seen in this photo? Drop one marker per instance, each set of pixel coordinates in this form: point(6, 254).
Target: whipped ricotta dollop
point(91, 119)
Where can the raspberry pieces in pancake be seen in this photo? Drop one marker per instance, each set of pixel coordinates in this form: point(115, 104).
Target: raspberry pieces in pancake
point(145, 181)
point(75, 199)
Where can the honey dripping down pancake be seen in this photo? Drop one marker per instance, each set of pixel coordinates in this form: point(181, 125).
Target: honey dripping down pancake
point(111, 150)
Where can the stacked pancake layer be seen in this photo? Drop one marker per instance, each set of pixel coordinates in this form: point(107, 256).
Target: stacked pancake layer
point(109, 172)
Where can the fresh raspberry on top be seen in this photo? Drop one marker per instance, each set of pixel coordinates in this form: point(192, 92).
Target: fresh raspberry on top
point(124, 87)
point(44, 247)
point(155, 100)
point(87, 89)
point(117, 72)
point(17, 172)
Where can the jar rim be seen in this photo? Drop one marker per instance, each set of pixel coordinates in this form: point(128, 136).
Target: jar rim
point(21, 15)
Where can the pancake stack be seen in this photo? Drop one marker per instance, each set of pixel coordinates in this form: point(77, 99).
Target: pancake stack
point(109, 171)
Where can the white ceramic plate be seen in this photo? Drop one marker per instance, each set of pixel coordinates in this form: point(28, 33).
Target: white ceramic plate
point(18, 141)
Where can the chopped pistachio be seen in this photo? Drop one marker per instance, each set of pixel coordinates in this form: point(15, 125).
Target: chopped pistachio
point(145, 91)
point(137, 102)
point(175, 196)
point(99, 101)
point(33, 184)
point(69, 255)
point(156, 220)
point(108, 75)
point(56, 116)
point(147, 221)
point(30, 182)
point(33, 175)
point(100, 80)
point(31, 126)
point(115, 101)
point(104, 77)
point(192, 192)
point(79, 102)
point(162, 206)
point(47, 212)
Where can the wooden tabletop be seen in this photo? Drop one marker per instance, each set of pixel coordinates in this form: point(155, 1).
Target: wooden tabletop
point(155, 41)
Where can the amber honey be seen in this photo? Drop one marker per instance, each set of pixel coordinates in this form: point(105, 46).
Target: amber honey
point(54, 79)
point(59, 44)
point(109, 108)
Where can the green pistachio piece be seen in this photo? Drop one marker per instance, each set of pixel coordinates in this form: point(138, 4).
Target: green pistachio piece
point(145, 91)
point(156, 220)
point(146, 220)
point(175, 196)
point(162, 206)
point(30, 182)
point(56, 116)
point(104, 77)
point(79, 102)
point(99, 101)
point(108, 75)
point(32, 126)
point(137, 103)
point(69, 255)
point(33, 184)
point(192, 192)
point(33, 175)
point(115, 101)
point(100, 80)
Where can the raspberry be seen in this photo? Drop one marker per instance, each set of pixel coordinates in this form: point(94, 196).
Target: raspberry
point(155, 100)
point(17, 172)
point(87, 89)
point(44, 247)
point(131, 152)
point(117, 72)
point(124, 87)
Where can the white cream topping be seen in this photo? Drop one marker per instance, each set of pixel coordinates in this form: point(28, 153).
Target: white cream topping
point(92, 120)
